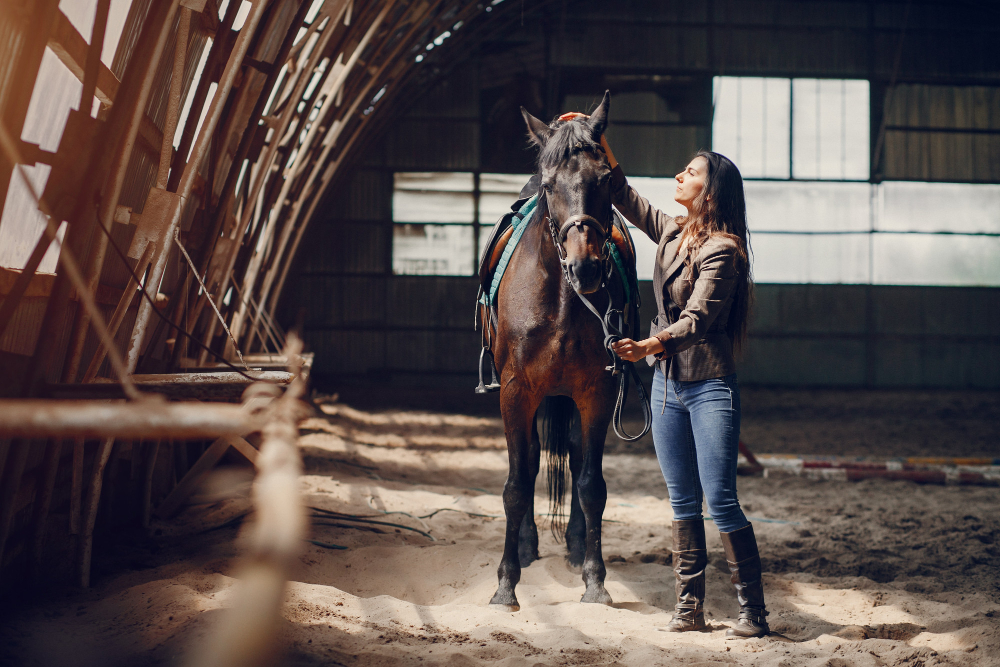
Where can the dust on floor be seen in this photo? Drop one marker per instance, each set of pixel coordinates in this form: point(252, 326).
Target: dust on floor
point(867, 573)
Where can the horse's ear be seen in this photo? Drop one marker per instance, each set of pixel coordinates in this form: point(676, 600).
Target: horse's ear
point(599, 119)
point(538, 130)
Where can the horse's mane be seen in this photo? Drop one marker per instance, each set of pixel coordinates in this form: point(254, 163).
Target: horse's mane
point(568, 138)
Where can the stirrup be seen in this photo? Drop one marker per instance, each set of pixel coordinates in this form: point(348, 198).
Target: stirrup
point(483, 388)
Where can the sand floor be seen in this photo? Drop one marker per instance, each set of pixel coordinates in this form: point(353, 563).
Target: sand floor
point(868, 573)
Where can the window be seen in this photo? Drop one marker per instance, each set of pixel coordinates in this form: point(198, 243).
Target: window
point(814, 129)
point(751, 124)
point(830, 129)
point(802, 146)
point(439, 216)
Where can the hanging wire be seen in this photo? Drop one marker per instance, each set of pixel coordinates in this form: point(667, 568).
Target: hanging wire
point(165, 319)
point(208, 296)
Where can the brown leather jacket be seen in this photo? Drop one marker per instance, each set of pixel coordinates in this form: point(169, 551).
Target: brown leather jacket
point(693, 299)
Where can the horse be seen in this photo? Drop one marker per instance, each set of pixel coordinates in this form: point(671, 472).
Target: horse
point(548, 349)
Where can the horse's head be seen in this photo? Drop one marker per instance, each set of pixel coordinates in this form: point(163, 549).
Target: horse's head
point(576, 180)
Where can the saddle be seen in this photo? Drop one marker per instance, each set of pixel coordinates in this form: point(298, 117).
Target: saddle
point(490, 260)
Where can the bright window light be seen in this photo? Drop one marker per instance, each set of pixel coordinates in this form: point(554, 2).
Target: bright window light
point(830, 129)
point(750, 124)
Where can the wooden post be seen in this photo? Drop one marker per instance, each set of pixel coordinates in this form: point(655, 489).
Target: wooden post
point(43, 501)
point(148, 467)
point(86, 543)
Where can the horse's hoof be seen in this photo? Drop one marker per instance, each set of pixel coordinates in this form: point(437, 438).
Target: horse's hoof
point(505, 601)
point(575, 568)
point(596, 595)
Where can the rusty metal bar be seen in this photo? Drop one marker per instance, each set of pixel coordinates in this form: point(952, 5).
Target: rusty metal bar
point(148, 418)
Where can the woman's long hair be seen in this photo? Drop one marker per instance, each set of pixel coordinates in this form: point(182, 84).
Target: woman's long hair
point(721, 210)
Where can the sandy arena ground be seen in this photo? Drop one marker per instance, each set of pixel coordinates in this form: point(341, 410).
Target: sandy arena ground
point(869, 573)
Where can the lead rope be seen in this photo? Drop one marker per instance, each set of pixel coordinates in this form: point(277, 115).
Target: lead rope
point(612, 335)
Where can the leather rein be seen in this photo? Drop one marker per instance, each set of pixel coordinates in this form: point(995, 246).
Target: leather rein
point(613, 320)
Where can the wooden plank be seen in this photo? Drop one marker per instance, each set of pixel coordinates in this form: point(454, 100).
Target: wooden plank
point(245, 448)
point(76, 489)
point(71, 48)
point(173, 502)
point(40, 285)
point(86, 543)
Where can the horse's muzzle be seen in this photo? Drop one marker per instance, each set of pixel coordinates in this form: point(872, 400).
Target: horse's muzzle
point(585, 274)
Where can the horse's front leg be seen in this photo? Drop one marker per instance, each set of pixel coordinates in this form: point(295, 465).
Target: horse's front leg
point(518, 410)
point(576, 528)
point(593, 494)
point(528, 541)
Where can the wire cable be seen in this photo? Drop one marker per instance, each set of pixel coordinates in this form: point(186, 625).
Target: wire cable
point(166, 320)
point(211, 302)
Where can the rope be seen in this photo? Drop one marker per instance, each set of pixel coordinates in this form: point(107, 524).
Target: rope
point(208, 297)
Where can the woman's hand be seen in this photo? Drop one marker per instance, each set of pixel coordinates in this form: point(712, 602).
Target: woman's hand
point(570, 115)
point(631, 350)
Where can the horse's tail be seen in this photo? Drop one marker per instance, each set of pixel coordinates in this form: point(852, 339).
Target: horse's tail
point(556, 431)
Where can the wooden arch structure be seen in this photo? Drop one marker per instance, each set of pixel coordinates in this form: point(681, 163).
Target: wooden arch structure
point(159, 163)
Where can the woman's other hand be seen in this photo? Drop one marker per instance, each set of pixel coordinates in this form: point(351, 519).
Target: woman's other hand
point(570, 115)
point(631, 350)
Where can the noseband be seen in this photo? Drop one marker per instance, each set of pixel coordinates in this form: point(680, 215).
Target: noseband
point(579, 221)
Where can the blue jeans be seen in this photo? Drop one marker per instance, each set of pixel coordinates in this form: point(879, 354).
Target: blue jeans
point(697, 444)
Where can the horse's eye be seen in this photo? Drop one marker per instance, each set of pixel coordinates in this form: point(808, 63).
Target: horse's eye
point(547, 187)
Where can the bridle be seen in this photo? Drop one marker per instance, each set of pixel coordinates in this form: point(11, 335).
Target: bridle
point(613, 320)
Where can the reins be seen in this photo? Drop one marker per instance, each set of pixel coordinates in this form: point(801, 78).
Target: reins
point(612, 333)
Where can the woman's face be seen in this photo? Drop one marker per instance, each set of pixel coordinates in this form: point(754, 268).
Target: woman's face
point(691, 181)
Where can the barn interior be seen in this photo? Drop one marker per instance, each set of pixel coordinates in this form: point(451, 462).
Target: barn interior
point(238, 267)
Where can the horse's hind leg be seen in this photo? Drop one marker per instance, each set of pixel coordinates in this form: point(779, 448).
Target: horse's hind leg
point(518, 412)
point(593, 497)
point(527, 550)
point(576, 529)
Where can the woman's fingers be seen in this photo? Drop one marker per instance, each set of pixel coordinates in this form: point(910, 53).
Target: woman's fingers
point(628, 350)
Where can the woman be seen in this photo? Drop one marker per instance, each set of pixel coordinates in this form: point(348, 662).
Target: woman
point(703, 290)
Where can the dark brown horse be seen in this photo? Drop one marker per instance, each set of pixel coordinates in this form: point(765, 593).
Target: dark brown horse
point(549, 349)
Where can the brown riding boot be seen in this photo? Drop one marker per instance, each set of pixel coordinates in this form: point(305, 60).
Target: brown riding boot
point(690, 560)
point(744, 563)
